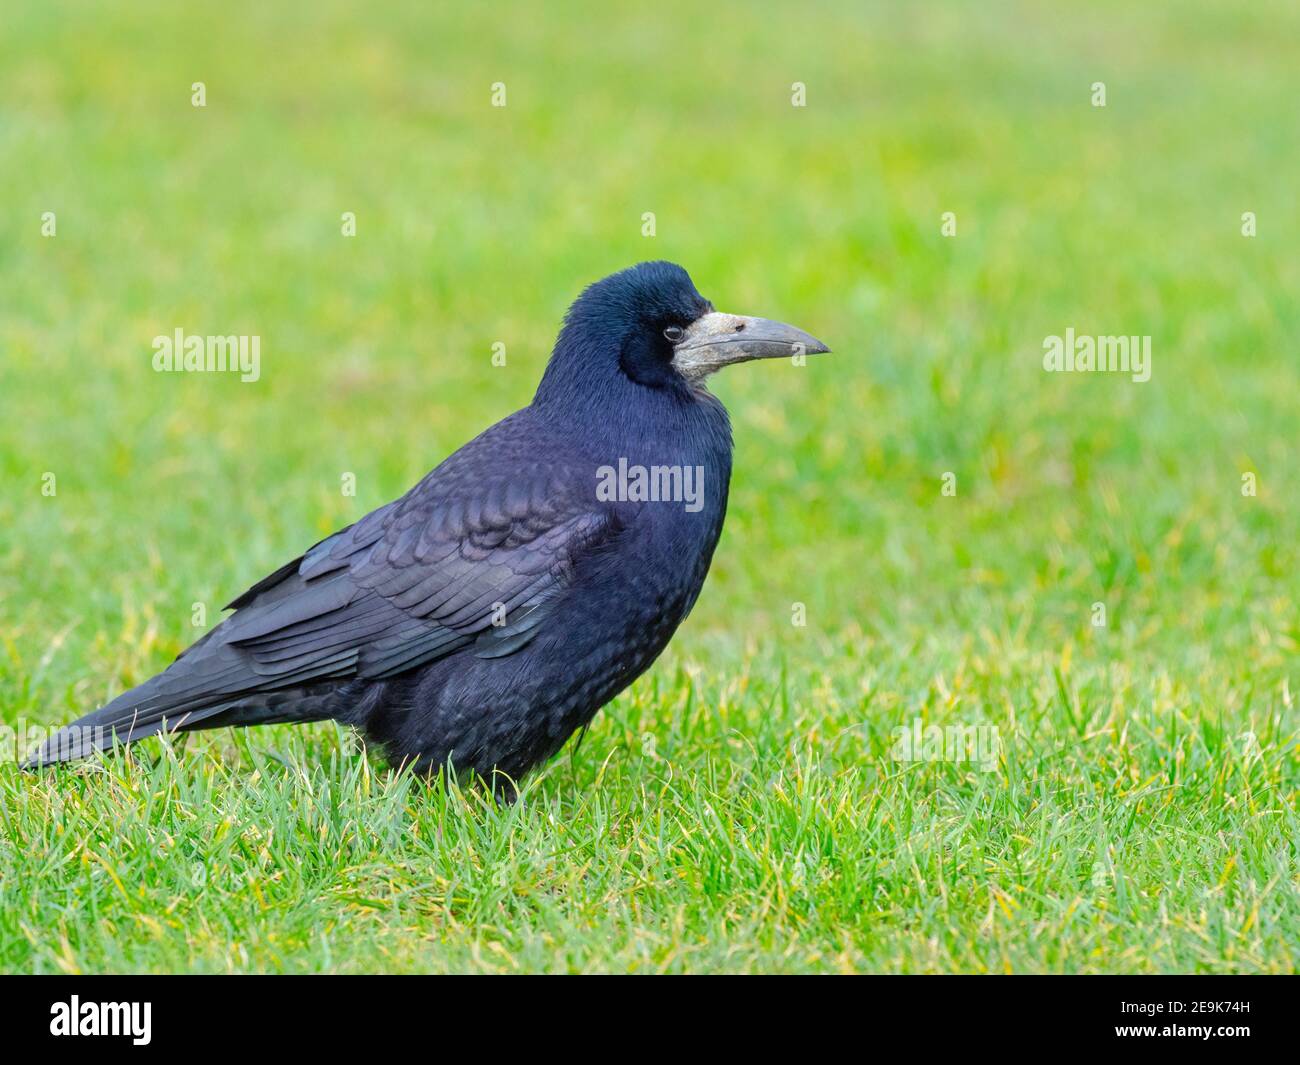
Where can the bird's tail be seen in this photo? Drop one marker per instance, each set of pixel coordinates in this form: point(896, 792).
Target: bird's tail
point(214, 682)
point(127, 718)
point(148, 709)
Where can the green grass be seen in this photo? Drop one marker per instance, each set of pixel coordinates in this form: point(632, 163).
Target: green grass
point(738, 808)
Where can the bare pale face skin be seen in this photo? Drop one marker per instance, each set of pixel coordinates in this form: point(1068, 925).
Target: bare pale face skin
point(716, 340)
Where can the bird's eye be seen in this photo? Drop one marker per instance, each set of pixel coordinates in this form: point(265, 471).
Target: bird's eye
point(674, 333)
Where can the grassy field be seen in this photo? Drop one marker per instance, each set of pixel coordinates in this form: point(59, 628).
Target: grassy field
point(741, 807)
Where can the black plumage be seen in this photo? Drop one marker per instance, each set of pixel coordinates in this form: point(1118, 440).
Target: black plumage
point(492, 610)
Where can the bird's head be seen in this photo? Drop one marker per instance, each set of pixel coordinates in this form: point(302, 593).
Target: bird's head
point(648, 324)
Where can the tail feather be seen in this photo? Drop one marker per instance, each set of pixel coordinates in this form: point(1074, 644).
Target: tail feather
point(285, 654)
point(161, 704)
point(127, 718)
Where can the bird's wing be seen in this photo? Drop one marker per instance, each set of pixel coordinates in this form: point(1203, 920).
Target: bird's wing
point(454, 562)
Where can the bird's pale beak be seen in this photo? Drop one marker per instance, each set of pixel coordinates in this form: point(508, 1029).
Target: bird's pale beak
point(716, 340)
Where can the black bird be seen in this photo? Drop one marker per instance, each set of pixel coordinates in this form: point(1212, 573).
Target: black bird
point(487, 614)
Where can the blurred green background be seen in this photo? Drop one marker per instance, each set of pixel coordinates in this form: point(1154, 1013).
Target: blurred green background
point(478, 225)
